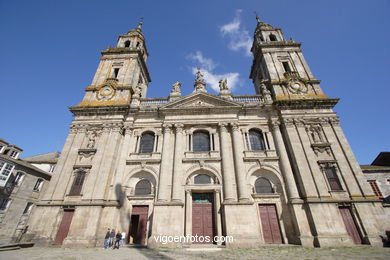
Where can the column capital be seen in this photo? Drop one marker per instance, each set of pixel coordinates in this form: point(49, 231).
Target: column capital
point(128, 129)
point(274, 124)
point(334, 121)
point(235, 127)
point(223, 127)
point(179, 128)
point(288, 122)
point(167, 128)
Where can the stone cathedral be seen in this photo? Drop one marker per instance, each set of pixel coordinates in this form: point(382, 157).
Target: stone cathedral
point(274, 167)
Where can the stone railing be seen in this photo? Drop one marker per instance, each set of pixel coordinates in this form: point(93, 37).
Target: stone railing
point(248, 99)
point(153, 101)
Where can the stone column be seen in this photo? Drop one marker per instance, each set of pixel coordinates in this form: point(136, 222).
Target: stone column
point(166, 163)
point(177, 168)
point(66, 172)
point(239, 163)
point(284, 162)
point(121, 161)
point(105, 172)
point(58, 176)
point(188, 213)
point(218, 214)
point(353, 174)
point(304, 173)
point(227, 166)
point(312, 159)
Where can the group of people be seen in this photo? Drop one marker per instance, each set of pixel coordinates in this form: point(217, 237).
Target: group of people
point(114, 239)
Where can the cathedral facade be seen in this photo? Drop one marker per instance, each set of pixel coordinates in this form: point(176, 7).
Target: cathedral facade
point(274, 167)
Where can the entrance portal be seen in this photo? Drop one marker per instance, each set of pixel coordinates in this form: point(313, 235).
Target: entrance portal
point(350, 225)
point(202, 217)
point(270, 224)
point(63, 230)
point(138, 225)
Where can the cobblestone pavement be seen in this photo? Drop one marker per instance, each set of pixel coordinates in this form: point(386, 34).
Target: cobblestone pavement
point(289, 253)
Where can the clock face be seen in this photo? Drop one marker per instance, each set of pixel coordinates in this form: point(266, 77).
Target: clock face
point(106, 92)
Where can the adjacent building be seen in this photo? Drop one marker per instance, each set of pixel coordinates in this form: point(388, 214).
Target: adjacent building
point(274, 167)
point(378, 176)
point(21, 184)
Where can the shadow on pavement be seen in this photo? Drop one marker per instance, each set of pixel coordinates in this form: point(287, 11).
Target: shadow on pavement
point(149, 253)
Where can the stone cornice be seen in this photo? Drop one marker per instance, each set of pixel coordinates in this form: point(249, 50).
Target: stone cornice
point(306, 103)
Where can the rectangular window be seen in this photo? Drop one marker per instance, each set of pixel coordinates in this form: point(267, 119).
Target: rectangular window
point(116, 72)
point(28, 207)
point(333, 180)
point(52, 166)
point(14, 154)
point(18, 178)
point(77, 184)
point(5, 172)
point(5, 204)
point(286, 66)
point(375, 189)
point(38, 185)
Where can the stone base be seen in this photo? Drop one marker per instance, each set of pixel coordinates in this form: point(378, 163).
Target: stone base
point(332, 241)
point(240, 224)
point(79, 243)
point(168, 220)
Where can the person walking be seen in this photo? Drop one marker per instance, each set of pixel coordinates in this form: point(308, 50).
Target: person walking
point(107, 239)
point(118, 239)
point(112, 237)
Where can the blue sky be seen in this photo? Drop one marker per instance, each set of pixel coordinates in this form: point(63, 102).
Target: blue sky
point(50, 51)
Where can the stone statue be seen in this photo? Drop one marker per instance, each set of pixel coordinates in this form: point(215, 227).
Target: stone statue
point(223, 85)
point(200, 84)
point(137, 92)
point(176, 87)
point(91, 141)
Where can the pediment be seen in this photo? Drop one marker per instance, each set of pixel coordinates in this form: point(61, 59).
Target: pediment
point(200, 100)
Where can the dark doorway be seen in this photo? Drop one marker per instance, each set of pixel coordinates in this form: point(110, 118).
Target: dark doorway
point(63, 230)
point(270, 224)
point(202, 216)
point(138, 225)
point(350, 225)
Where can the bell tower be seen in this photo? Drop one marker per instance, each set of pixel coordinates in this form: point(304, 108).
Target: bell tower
point(280, 67)
point(122, 71)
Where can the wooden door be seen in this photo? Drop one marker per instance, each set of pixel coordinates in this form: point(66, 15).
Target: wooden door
point(270, 224)
point(138, 225)
point(202, 216)
point(63, 230)
point(350, 225)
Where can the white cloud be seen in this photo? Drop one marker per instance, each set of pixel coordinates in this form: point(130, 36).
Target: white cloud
point(212, 80)
point(207, 67)
point(238, 36)
point(209, 64)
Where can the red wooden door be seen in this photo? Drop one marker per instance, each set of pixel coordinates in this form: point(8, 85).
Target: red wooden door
point(202, 217)
point(270, 224)
point(350, 225)
point(63, 230)
point(141, 214)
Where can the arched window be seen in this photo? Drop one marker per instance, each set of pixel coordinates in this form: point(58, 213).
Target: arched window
point(147, 143)
point(256, 140)
point(127, 44)
point(202, 179)
point(201, 141)
point(143, 187)
point(272, 38)
point(262, 185)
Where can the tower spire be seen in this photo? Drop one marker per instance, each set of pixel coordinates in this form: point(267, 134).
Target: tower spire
point(140, 23)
